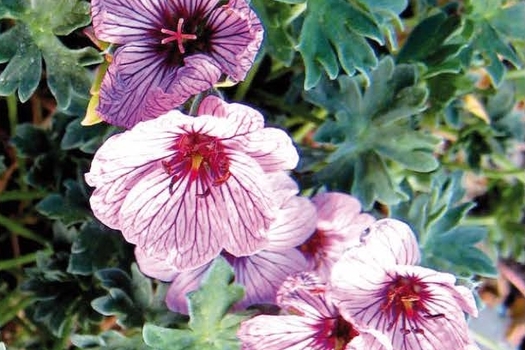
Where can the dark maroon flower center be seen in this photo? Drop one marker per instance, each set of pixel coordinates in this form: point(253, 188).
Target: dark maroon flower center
point(177, 36)
point(406, 298)
point(315, 246)
point(199, 157)
point(186, 33)
point(336, 333)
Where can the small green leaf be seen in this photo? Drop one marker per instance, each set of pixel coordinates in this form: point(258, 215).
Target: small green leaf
point(71, 208)
point(31, 141)
point(24, 69)
point(277, 18)
point(210, 327)
point(3, 168)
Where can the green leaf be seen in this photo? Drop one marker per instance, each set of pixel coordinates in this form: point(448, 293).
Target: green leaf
point(277, 17)
point(71, 208)
point(334, 33)
point(109, 340)
point(494, 28)
point(210, 327)
point(371, 128)
point(24, 69)
point(3, 168)
point(31, 141)
point(86, 138)
point(132, 299)
point(436, 42)
point(94, 248)
point(32, 38)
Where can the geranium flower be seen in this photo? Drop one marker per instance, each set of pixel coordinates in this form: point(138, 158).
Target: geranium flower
point(170, 50)
point(261, 273)
point(184, 188)
point(310, 322)
point(417, 307)
point(339, 226)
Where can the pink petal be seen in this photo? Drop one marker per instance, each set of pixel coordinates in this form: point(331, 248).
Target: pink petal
point(199, 73)
point(277, 333)
point(295, 222)
point(341, 213)
point(237, 36)
point(155, 267)
point(127, 21)
point(245, 119)
point(262, 274)
point(389, 242)
point(272, 148)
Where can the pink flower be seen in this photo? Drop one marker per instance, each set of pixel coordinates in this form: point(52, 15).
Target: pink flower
point(261, 273)
point(418, 308)
point(311, 322)
point(170, 51)
point(184, 188)
point(339, 226)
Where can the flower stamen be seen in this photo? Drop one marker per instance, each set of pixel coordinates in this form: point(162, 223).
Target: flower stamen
point(177, 36)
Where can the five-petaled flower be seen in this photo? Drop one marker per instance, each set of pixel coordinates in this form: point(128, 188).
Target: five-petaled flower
point(262, 273)
point(418, 308)
point(169, 51)
point(185, 188)
point(311, 322)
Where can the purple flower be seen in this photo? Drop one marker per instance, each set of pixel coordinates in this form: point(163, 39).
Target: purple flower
point(169, 51)
point(418, 308)
point(339, 226)
point(261, 273)
point(183, 188)
point(311, 322)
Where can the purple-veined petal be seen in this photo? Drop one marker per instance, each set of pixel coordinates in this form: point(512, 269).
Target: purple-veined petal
point(199, 73)
point(245, 119)
point(237, 36)
point(288, 332)
point(154, 267)
point(341, 213)
point(127, 21)
point(389, 242)
point(262, 274)
point(272, 148)
point(295, 222)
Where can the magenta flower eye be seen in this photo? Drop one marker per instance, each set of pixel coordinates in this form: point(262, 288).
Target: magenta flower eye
point(199, 157)
point(169, 51)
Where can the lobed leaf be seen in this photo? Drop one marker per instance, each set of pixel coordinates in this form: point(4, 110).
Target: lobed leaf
point(210, 327)
point(372, 127)
point(334, 35)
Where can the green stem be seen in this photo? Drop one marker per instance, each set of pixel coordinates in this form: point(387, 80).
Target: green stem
point(12, 113)
point(242, 88)
point(21, 230)
point(22, 260)
point(21, 195)
point(515, 74)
